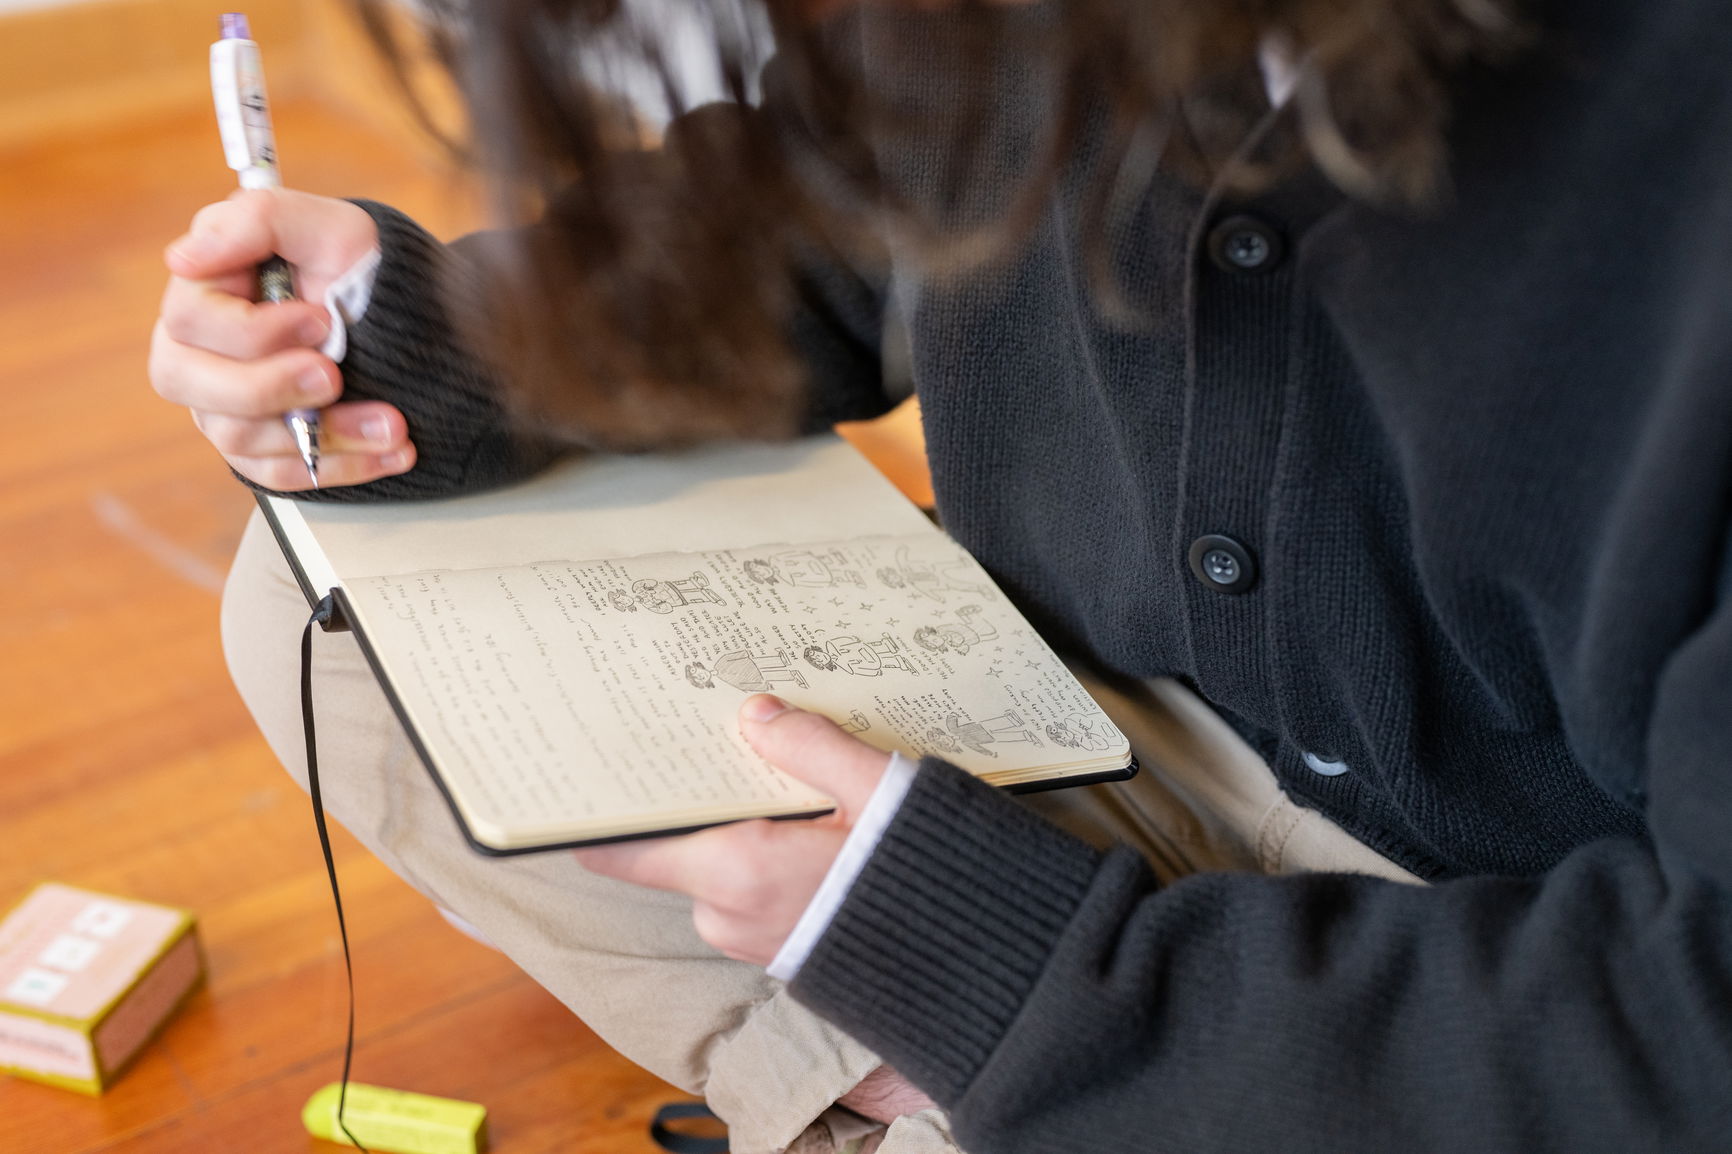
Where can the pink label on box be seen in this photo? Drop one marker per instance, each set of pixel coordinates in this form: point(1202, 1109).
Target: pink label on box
point(70, 952)
point(28, 1044)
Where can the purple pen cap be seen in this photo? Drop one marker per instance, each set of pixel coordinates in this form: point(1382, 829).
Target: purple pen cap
point(235, 26)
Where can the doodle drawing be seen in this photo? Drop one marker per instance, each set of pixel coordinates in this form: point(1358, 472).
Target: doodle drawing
point(861, 658)
point(754, 673)
point(932, 579)
point(970, 628)
point(666, 596)
point(1007, 727)
point(1079, 732)
point(856, 723)
point(944, 743)
point(805, 568)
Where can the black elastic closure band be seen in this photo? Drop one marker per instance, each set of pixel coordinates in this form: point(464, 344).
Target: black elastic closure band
point(663, 1133)
point(323, 613)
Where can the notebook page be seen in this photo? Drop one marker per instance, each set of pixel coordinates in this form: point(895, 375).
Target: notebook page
point(606, 692)
point(716, 497)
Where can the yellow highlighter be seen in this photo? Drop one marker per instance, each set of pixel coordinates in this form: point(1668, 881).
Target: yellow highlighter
point(397, 1122)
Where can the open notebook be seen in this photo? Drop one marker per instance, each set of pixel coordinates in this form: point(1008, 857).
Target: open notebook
point(568, 656)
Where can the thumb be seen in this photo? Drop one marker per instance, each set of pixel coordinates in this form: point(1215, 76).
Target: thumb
point(813, 749)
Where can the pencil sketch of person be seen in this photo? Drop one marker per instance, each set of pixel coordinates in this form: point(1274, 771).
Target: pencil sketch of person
point(944, 743)
point(762, 571)
point(972, 619)
point(1079, 732)
point(622, 600)
point(699, 676)
point(755, 673)
point(653, 596)
point(861, 658)
point(969, 629)
point(666, 596)
point(932, 579)
point(940, 639)
point(804, 567)
point(1007, 728)
point(931, 637)
point(694, 588)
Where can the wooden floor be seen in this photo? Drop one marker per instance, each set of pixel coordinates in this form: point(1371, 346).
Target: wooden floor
point(127, 764)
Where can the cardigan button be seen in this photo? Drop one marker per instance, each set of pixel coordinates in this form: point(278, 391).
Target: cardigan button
point(1244, 244)
point(1222, 564)
point(1323, 766)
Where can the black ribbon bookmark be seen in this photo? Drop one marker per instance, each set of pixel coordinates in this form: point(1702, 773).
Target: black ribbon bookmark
point(671, 1138)
point(663, 1130)
point(322, 615)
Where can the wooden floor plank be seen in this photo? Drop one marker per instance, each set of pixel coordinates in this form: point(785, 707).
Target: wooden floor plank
point(127, 763)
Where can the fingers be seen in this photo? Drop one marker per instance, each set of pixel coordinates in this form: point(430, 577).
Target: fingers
point(813, 749)
point(229, 237)
point(358, 442)
point(239, 366)
point(682, 864)
point(239, 405)
point(288, 474)
point(209, 300)
point(270, 385)
point(359, 427)
point(320, 236)
point(749, 883)
point(885, 1095)
point(210, 316)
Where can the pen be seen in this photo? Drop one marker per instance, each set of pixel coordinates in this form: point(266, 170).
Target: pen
point(238, 85)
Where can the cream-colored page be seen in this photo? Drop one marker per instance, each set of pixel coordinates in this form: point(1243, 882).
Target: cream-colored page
point(604, 694)
point(608, 506)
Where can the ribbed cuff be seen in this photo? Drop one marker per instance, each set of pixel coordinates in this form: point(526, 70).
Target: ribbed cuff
point(405, 351)
point(856, 851)
point(947, 929)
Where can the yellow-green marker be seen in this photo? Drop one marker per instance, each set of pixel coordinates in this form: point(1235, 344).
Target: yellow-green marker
point(397, 1122)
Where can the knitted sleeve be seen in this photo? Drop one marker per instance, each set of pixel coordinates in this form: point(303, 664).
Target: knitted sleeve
point(406, 351)
point(1056, 1000)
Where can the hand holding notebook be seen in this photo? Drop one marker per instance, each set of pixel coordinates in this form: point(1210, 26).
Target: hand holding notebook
point(568, 656)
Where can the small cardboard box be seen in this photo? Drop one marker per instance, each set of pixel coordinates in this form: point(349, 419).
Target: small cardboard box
point(86, 980)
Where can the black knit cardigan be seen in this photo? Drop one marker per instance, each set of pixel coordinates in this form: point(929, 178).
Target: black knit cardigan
point(1477, 467)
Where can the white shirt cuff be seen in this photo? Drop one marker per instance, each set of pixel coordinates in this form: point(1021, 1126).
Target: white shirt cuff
point(346, 301)
point(850, 860)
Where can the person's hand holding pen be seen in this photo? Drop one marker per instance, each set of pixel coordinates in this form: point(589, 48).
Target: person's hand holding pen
point(240, 366)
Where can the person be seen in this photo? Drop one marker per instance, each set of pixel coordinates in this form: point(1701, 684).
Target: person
point(1360, 370)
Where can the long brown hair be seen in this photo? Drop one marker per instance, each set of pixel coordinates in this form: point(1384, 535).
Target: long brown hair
point(642, 296)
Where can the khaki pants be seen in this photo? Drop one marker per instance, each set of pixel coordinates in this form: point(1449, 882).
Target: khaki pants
point(626, 960)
